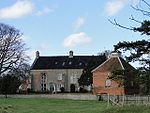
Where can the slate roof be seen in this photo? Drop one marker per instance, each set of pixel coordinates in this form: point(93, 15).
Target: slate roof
point(113, 63)
point(61, 62)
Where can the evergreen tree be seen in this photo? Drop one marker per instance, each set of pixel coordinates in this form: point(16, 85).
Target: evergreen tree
point(86, 78)
point(139, 49)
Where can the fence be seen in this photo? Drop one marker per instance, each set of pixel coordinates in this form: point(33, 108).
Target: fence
point(125, 99)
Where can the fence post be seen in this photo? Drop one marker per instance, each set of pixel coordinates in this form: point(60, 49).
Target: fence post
point(134, 99)
point(108, 99)
point(123, 100)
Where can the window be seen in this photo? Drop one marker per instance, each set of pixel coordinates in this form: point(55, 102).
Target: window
point(132, 84)
point(80, 63)
point(56, 63)
point(108, 74)
point(70, 63)
point(59, 76)
point(43, 81)
point(63, 63)
point(108, 83)
point(59, 86)
point(73, 79)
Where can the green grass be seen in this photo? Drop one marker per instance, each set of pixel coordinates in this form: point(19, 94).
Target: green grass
point(44, 105)
point(129, 109)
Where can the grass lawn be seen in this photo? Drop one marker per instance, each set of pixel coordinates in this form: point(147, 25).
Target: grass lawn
point(129, 109)
point(44, 105)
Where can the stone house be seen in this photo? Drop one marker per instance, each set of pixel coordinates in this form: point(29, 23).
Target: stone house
point(103, 85)
point(51, 73)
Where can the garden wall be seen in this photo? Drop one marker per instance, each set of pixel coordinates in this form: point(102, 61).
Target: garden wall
point(56, 96)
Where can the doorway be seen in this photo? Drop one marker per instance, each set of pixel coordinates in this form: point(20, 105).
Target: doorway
point(51, 88)
point(72, 88)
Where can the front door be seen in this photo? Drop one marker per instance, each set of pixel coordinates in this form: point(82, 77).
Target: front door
point(51, 88)
point(72, 88)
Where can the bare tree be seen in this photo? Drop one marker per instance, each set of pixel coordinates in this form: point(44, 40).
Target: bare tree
point(12, 48)
point(138, 48)
point(144, 24)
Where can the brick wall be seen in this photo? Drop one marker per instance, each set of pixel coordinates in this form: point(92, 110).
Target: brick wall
point(99, 84)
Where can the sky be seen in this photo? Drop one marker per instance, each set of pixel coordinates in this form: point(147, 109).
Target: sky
point(54, 27)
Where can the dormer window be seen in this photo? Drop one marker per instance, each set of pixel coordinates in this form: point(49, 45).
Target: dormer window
point(70, 63)
point(80, 63)
point(63, 63)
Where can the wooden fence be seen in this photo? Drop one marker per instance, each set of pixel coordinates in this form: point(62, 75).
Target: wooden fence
point(125, 99)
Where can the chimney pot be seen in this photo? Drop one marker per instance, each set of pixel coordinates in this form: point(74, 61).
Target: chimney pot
point(37, 54)
point(70, 54)
point(116, 54)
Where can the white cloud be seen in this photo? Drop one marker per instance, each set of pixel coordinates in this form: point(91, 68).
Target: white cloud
point(78, 23)
point(113, 7)
point(44, 11)
point(19, 9)
point(79, 39)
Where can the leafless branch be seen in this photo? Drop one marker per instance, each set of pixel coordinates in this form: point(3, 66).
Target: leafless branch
point(133, 19)
point(114, 22)
point(11, 48)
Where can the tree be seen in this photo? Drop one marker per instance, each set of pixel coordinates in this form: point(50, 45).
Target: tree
point(12, 48)
point(9, 84)
point(86, 78)
point(138, 49)
point(22, 71)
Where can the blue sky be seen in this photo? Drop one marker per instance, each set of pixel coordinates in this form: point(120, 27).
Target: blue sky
point(54, 27)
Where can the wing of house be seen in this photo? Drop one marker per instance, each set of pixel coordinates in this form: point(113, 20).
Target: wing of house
point(101, 82)
point(54, 72)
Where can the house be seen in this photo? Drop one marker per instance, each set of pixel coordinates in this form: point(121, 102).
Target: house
point(26, 84)
point(53, 73)
point(103, 85)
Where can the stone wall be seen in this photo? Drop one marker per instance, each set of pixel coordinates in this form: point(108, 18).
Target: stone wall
point(52, 78)
point(56, 96)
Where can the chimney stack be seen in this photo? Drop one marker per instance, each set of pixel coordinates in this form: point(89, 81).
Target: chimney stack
point(37, 54)
point(116, 54)
point(70, 54)
point(106, 54)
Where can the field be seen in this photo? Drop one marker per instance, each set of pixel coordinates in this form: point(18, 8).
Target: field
point(43, 105)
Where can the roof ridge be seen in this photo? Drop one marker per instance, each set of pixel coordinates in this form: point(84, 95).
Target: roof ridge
point(100, 65)
point(73, 56)
point(121, 63)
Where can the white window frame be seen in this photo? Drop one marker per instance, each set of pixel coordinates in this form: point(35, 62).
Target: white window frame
point(59, 76)
point(58, 87)
point(108, 83)
point(73, 79)
point(43, 81)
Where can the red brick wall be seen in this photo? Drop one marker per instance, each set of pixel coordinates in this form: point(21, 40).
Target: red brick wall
point(99, 81)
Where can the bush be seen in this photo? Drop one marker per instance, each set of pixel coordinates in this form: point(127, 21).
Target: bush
point(82, 90)
point(62, 89)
